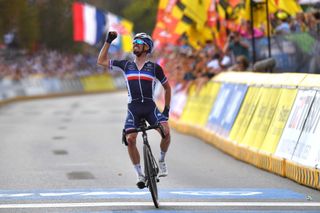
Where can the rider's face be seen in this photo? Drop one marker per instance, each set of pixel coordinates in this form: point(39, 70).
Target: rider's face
point(138, 47)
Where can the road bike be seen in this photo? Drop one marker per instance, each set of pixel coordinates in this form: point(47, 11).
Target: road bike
point(151, 167)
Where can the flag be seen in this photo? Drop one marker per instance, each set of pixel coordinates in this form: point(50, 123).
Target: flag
point(259, 9)
point(170, 23)
point(196, 11)
point(290, 6)
point(124, 29)
point(88, 23)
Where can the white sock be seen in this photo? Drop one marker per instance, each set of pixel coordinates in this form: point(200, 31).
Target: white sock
point(137, 168)
point(162, 156)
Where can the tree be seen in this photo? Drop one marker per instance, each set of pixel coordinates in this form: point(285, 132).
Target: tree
point(56, 25)
point(143, 14)
point(19, 17)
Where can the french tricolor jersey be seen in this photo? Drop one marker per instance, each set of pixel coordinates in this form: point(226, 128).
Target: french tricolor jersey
point(140, 83)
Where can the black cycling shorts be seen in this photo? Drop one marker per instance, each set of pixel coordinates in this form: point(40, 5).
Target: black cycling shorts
point(147, 110)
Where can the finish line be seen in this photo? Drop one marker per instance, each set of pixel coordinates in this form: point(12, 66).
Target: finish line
point(167, 204)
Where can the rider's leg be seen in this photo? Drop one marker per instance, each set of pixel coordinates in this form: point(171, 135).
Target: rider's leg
point(164, 145)
point(165, 142)
point(134, 153)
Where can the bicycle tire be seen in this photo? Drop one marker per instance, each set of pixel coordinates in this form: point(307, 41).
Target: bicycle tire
point(151, 175)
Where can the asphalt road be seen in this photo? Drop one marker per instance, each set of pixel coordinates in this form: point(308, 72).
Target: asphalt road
point(65, 155)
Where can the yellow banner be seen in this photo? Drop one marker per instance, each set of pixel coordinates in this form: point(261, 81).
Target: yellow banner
point(187, 113)
point(199, 104)
point(245, 114)
point(97, 83)
point(207, 97)
point(279, 120)
point(262, 118)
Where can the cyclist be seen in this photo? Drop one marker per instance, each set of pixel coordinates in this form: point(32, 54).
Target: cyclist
point(141, 75)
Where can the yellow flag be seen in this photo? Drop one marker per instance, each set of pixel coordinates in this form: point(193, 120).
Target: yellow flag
point(259, 11)
point(177, 12)
point(197, 11)
point(290, 6)
point(163, 4)
point(181, 28)
point(127, 37)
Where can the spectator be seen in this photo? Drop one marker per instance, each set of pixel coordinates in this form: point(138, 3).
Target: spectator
point(236, 45)
point(283, 23)
point(246, 31)
point(299, 23)
point(241, 64)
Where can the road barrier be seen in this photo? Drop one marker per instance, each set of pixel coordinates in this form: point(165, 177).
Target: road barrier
point(39, 86)
point(268, 120)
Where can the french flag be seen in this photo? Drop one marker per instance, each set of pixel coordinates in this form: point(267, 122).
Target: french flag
point(88, 23)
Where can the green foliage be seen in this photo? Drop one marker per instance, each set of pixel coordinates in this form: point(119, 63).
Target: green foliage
point(56, 24)
point(143, 14)
point(28, 26)
point(20, 17)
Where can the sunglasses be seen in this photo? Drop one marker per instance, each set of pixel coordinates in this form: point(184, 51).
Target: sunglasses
point(138, 41)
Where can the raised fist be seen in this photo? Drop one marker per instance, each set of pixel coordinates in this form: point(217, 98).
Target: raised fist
point(111, 36)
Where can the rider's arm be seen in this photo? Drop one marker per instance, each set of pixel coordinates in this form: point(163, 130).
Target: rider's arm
point(103, 58)
point(164, 81)
point(167, 94)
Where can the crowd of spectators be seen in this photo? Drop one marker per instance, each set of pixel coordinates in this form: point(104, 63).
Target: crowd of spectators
point(16, 65)
point(184, 64)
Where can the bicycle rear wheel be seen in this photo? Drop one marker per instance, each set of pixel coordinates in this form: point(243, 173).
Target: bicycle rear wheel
point(151, 175)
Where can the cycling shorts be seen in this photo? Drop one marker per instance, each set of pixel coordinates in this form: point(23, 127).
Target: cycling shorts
point(147, 110)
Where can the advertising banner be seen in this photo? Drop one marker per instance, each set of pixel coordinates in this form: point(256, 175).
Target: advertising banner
point(207, 97)
point(33, 85)
point(52, 85)
point(97, 83)
point(232, 108)
point(279, 120)
point(178, 102)
point(189, 111)
point(307, 151)
point(262, 117)
point(199, 104)
point(244, 117)
point(219, 107)
point(292, 131)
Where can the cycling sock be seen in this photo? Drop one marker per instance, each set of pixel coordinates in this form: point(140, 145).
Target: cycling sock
point(162, 156)
point(137, 167)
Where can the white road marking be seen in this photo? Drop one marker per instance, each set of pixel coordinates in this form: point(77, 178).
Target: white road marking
point(217, 193)
point(172, 204)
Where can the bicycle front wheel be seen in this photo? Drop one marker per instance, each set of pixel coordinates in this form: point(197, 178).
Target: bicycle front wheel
point(151, 175)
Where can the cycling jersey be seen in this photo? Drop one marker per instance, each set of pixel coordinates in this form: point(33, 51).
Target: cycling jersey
point(140, 83)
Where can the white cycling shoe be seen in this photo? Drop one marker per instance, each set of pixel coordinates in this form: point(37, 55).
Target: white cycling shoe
point(141, 182)
point(163, 169)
